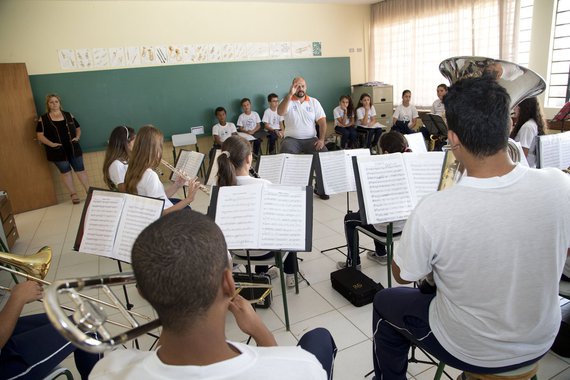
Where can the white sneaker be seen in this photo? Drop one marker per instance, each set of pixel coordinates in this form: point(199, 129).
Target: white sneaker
point(382, 260)
point(290, 280)
point(342, 265)
point(273, 272)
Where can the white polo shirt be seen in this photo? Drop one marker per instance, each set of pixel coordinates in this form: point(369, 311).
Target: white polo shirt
point(248, 122)
point(300, 118)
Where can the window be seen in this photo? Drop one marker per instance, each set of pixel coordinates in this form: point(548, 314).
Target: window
point(525, 28)
point(560, 57)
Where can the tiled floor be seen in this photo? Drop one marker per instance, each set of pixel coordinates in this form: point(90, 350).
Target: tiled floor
point(315, 305)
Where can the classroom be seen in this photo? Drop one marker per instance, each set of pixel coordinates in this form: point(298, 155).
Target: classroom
point(329, 44)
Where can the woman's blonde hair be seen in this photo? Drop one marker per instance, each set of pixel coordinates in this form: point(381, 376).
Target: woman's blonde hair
point(146, 154)
point(48, 97)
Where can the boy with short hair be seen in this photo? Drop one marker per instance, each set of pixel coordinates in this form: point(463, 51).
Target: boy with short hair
point(222, 130)
point(273, 122)
point(249, 122)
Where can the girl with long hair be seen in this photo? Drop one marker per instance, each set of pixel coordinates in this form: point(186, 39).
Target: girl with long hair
point(117, 156)
point(530, 124)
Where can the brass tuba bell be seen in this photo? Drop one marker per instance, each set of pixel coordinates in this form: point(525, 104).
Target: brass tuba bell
point(36, 265)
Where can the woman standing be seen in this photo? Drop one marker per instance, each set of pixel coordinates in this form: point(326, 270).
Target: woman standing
point(60, 133)
point(529, 125)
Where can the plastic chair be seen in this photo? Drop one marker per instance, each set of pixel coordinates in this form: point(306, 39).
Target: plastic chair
point(246, 259)
point(59, 371)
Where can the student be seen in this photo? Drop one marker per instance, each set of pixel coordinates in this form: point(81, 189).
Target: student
point(188, 281)
point(221, 131)
point(141, 178)
point(405, 115)
point(117, 156)
point(233, 170)
point(249, 122)
point(344, 122)
point(366, 121)
point(437, 107)
point(530, 124)
point(273, 123)
point(30, 347)
point(391, 142)
point(496, 307)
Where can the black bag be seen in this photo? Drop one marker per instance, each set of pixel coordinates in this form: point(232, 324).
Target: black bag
point(355, 286)
point(255, 293)
point(561, 345)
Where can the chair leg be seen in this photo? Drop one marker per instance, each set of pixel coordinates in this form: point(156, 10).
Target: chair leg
point(389, 252)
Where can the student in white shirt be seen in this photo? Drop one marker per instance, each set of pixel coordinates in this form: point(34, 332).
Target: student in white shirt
point(249, 122)
point(272, 122)
point(366, 121)
point(437, 107)
point(117, 154)
point(222, 130)
point(405, 115)
point(344, 122)
point(496, 258)
point(183, 270)
point(141, 178)
point(530, 124)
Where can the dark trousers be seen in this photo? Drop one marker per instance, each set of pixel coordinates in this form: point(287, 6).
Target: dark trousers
point(402, 127)
point(36, 348)
point(304, 146)
point(400, 317)
point(351, 221)
point(372, 136)
point(348, 137)
point(271, 140)
point(320, 343)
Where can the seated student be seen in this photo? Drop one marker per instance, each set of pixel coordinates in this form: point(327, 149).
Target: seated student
point(366, 121)
point(273, 123)
point(30, 347)
point(117, 156)
point(405, 115)
point(344, 122)
point(437, 107)
point(530, 124)
point(249, 122)
point(188, 281)
point(141, 178)
point(391, 142)
point(493, 311)
point(221, 131)
point(233, 170)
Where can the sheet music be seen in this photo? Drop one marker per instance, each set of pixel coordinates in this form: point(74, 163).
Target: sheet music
point(138, 213)
point(416, 142)
point(554, 150)
point(213, 177)
point(385, 188)
point(237, 215)
point(297, 169)
point(101, 222)
point(189, 162)
point(284, 218)
point(271, 166)
point(424, 171)
point(247, 136)
point(337, 171)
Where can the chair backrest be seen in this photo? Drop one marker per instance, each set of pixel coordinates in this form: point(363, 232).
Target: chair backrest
point(183, 139)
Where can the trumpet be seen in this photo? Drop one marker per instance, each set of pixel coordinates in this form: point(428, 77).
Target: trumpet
point(182, 174)
point(91, 318)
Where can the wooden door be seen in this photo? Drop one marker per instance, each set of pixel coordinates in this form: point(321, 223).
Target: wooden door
point(24, 170)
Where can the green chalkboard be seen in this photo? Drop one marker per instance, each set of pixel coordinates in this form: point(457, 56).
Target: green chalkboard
point(175, 98)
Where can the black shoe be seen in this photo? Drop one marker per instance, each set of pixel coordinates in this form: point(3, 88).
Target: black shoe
point(324, 197)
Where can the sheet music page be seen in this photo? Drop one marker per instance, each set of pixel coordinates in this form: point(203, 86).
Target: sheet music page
point(335, 172)
point(424, 172)
point(247, 136)
point(238, 215)
point(138, 213)
point(549, 151)
point(271, 167)
point(213, 178)
point(564, 150)
point(385, 188)
point(101, 223)
point(283, 220)
point(350, 168)
point(416, 142)
point(296, 169)
point(189, 162)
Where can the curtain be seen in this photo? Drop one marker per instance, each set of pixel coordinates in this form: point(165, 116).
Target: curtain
point(409, 38)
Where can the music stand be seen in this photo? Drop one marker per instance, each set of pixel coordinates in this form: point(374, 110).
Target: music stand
point(434, 124)
point(563, 114)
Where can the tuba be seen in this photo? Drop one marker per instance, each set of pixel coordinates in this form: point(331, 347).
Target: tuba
point(520, 83)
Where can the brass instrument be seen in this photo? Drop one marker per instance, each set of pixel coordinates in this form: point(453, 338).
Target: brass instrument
point(184, 176)
point(520, 83)
point(35, 267)
point(91, 318)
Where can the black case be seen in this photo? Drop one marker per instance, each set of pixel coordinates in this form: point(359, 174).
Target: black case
point(355, 286)
point(255, 293)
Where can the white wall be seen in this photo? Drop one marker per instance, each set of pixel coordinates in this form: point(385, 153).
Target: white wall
point(32, 31)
